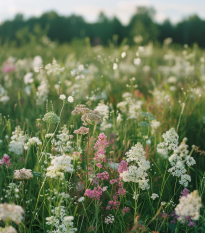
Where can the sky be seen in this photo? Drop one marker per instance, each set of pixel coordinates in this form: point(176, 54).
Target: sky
point(175, 10)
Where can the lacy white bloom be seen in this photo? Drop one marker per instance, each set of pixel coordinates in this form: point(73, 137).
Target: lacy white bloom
point(81, 199)
point(31, 142)
point(28, 78)
point(70, 99)
point(170, 142)
point(59, 165)
point(9, 229)
point(189, 206)
point(23, 174)
point(135, 196)
point(54, 68)
point(17, 141)
point(179, 160)
point(137, 173)
point(60, 222)
point(154, 196)
point(11, 212)
point(62, 97)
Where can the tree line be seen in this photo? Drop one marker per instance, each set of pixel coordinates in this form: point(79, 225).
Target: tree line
point(65, 28)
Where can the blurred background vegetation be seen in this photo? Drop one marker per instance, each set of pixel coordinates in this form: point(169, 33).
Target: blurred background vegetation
point(63, 29)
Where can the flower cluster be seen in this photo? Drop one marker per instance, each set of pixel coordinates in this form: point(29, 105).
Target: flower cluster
point(82, 130)
point(51, 118)
point(103, 176)
point(178, 160)
point(122, 166)
point(100, 146)
point(109, 219)
point(59, 222)
point(31, 142)
point(54, 68)
point(104, 112)
point(170, 142)
point(9, 229)
point(17, 141)
point(96, 193)
point(59, 165)
point(11, 212)
point(23, 174)
point(154, 196)
point(189, 206)
point(5, 160)
point(137, 172)
point(63, 144)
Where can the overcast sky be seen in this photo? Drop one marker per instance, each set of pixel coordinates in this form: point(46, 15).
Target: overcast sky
point(175, 10)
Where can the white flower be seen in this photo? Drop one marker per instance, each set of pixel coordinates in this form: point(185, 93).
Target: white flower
point(163, 203)
point(189, 206)
point(81, 199)
point(70, 99)
point(28, 78)
point(154, 196)
point(62, 97)
point(69, 218)
point(135, 196)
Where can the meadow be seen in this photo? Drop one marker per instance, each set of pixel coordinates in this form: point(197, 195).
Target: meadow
point(102, 139)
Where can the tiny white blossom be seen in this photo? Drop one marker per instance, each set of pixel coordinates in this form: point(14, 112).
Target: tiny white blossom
point(62, 97)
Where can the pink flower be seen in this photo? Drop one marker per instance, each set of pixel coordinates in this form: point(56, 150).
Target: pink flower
point(100, 146)
point(96, 193)
point(71, 136)
point(122, 166)
point(82, 130)
point(121, 191)
point(5, 161)
point(103, 176)
point(99, 165)
point(125, 210)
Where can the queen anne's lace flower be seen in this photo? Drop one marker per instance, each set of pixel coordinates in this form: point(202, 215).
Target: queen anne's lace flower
point(23, 174)
point(51, 118)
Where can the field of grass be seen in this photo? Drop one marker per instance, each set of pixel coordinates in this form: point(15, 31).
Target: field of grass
point(102, 139)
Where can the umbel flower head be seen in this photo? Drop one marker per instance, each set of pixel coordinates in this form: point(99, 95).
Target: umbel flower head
point(51, 118)
point(91, 118)
point(23, 174)
point(11, 212)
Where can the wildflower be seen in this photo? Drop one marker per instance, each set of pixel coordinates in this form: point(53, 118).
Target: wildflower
point(59, 165)
point(28, 78)
point(137, 173)
point(103, 176)
point(99, 165)
point(6, 160)
point(125, 210)
point(163, 203)
point(92, 117)
point(81, 199)
point(70, 99)
point(80, 109)
point(154, 196)
point(96, 193)
point(100, 146)
point(31, 142)
point(62, 97)
point(9, 229)
point(23, 174)
point(51, 118)
point(11, 212)
point(82, 130)
point(122, 166)
point(135, 196)
point(109, 219)
point(69, 218)
point(49, 135)
point(54, 68)
point(17, 141)
point(189, 206)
